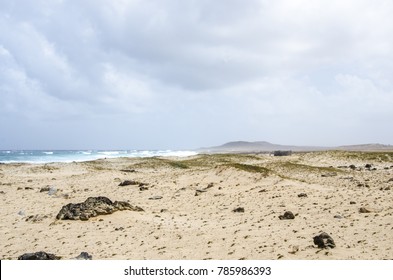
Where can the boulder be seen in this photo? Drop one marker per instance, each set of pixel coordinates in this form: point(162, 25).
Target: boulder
point(92, 207)
point(324, 240)
point(38, 256)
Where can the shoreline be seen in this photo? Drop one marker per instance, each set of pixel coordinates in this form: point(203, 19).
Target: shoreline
point(189, 207)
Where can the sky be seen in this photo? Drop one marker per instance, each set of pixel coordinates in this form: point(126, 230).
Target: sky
point(167, 74)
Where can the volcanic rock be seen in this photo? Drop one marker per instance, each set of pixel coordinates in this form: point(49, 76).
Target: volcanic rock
point(38, 256)
point(155, 197)
point(128, 182)
point(365, 210)
point(238, 210)
point(84, 256)
point(93, 206)
point(324, 240)
point(288, 215)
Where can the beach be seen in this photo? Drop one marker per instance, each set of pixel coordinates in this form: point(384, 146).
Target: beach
point(221, 206)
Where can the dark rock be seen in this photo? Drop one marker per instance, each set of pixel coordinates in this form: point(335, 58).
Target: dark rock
point(92, 207)
point(156, 197)
point(198, 192)
point(302, 195)
point(324, 240)
point(365, 210)
point(238, 210)
point(331, 174)
point(45, 189)
point(352, 166)
point(338, 216)
point(288, 215)
point(38, 256)
point(282, 153)
point(142, 188)
point(352, 202)
point(84, 256)
point(36, 218)
point(368, 166)
point(128, 170)
point(128, 182)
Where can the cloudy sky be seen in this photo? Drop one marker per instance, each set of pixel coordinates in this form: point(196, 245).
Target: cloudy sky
point(167, 74)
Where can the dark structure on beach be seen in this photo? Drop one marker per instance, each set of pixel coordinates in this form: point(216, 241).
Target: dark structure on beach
point(282, 153)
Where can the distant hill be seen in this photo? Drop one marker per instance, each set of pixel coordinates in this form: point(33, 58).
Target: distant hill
point(263, 146)
point(366, 147)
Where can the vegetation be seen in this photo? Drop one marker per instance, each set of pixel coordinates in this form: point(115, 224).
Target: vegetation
point(250, 168)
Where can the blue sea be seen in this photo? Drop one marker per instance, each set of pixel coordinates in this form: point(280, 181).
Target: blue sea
point(46, 156)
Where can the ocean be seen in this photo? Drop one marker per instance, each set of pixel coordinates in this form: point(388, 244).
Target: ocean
point(47, 156)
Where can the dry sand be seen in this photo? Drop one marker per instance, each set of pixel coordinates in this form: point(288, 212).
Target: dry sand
point(194, 219)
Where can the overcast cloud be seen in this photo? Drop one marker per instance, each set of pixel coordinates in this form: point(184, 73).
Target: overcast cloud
point(169, 74)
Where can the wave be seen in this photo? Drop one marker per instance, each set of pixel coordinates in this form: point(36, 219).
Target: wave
point(86, 155)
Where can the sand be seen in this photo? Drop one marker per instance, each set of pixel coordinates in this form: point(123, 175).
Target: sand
point(194, 219)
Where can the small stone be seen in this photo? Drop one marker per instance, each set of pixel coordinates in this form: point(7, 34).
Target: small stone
point(288, 215)
point(128, 170)
point(365, 210)
point(156, 197)
point(238, 210)
point(352, 202)
point(128, 182)
point(331, 174)
point(302, 195)
point(84, 256)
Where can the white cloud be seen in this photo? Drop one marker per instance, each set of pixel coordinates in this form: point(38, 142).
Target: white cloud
point(229, 69)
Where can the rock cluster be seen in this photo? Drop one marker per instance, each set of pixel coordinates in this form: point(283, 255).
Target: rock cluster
point(93, 206)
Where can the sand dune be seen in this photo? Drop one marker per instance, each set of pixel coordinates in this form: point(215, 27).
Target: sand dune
point(188, 207)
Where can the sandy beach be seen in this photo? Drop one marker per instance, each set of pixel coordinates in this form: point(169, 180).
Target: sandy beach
point(204, 207)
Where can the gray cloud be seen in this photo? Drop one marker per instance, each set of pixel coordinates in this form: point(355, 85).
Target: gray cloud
point(184, 74)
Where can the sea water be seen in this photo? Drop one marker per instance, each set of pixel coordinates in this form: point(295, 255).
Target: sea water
point(46, 156)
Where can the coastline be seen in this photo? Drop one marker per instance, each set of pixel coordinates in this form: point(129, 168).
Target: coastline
point(189, 205)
